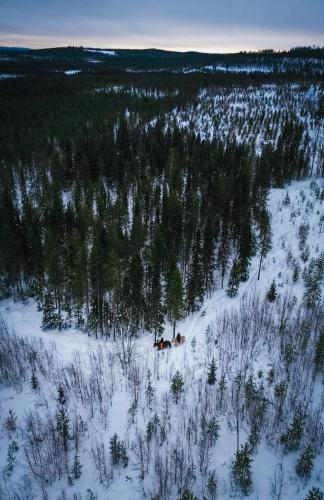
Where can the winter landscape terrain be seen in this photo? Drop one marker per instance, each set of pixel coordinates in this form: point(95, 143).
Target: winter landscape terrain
point(263, 353)
point(139, 205)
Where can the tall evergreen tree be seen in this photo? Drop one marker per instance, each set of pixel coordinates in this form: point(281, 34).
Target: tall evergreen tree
point(305, 462)
point(211, 377)
point(51, 318)
point(195, 284)
point(264, 236)
point(234, 279)
point(241, 470)
point(174, 296)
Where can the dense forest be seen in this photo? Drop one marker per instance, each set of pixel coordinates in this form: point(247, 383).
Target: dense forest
point(185, 201)
point(111, 214)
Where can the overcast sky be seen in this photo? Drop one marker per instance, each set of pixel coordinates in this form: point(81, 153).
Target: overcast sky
point(205, 25)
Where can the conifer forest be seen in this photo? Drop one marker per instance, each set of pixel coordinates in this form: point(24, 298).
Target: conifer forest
point(161, 195)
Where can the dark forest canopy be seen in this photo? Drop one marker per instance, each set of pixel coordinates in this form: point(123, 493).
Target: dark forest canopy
point(108, 217)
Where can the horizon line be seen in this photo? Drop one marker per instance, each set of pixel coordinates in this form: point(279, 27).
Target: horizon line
point(246, 51)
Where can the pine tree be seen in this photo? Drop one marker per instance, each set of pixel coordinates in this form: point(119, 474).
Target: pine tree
point(234, 279)
point(34, 382)
point(295, 276)
point(241, 470)
point(177, 386)
point(91, 495)
point(118, 452)
point(11, 458)
point(312, 275)
point(254, 438)
point(51, 318)
point(264, 236)
point(10, 423)
point(315, 494)
point(212, 429)
point(211, 376)
point(246, 247)
point(61, 396)
point(207, 255)
point(188, 495)
point(63, 427)
point(223, 250)
point(195, 284)
point(174, 296)
point(272, 292)
point(304, 465)
point(291, 438)
point(150, 391)
point(319, 353)
point(212, 485)
point(76, 467)
point(286, 200)
point(114, 450)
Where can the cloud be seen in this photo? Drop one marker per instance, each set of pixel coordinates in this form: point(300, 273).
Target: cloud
point(211, 25)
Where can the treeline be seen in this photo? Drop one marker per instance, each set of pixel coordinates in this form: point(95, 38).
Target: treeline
point(60, 58)
point(125, 226)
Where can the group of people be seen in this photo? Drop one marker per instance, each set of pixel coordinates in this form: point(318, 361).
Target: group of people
point(166, 343)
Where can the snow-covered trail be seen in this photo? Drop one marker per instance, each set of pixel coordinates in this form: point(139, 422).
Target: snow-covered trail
point(304, 207)
point(25, 320)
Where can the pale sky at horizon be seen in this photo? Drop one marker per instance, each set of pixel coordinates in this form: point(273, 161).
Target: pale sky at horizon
point(208, 25)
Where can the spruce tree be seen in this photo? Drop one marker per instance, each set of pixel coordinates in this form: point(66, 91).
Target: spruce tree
point(313, 275)
point(272, 292)
point(63, 427)
point(265, 235)
point(11, 458)
point(212, 485)
point(207, 255)
point(118, 452)
point(315, 494)
point(51, 318)
point(234, 279)
point(188, 495)
point(246, 247)
point(212, 429)
point(177, 386)
point(149, 391)
point(211, 376)
point(195, 284)
point(34, 382)
point(291, 438)
point(10, 423)
point(76, 467)
point(223, 250)
point(305, 462)
point(61, 396)
point(319, 353)
point(174, 296)
point(254, 438)
point(241, 470)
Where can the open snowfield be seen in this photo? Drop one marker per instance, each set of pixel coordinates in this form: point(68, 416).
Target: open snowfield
point(106, 385)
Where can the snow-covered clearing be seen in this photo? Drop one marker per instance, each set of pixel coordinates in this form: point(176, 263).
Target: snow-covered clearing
point(111, 53)
point(106, 383)
point(150, 93)
point(72, 71)
point(253, 115)
point(5, 76)
point(283, 65)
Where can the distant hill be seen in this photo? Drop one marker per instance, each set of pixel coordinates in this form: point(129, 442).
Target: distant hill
point(13, 49)
point(307, 60)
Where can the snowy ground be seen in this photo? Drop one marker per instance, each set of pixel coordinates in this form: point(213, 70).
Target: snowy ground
point(102, 360)
point(253, 115)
